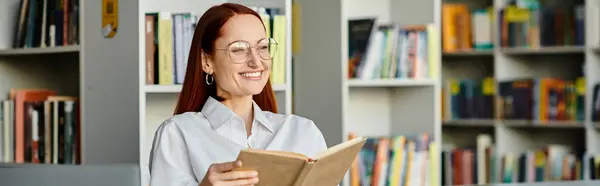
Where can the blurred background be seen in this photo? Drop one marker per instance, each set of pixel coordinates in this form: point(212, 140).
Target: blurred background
point(449, 92)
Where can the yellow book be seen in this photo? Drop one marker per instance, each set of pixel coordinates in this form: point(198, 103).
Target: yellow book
point(296, 23)
point(580, 85)
point(543, 98)
point(165, 49)
point(410, 154)
point(354, 168)
point(434, 164)
point(398, 161)
point(266, 18)
point(449, 27)
point(279, 61)
point(516, 14)
point(433, 40)
point(284, 35)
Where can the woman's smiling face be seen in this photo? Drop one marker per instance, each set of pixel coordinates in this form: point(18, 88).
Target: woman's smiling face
point(241, 62)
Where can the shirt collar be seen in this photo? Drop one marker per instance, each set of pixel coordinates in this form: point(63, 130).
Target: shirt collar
point(218, 114)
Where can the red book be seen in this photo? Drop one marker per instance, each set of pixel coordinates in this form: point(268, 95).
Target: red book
point(20, 96)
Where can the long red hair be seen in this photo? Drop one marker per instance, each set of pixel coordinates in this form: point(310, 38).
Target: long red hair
point(195, 91)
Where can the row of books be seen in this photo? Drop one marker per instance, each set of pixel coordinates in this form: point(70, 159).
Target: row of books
point(482, 164)
point(529, 23)
point(468, 98)
point(168, 40)
point(466, 28)
point(398, 160)
point(594, 167)
point(541, 100)
point(413, 160)
point(46, 23)
point(389, 51)
point(521, 23)
point(37, 126)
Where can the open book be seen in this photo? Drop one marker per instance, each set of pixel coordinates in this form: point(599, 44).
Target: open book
point(277, 168)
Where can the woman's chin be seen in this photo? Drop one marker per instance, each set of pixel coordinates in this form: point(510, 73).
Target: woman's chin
point(253, 90)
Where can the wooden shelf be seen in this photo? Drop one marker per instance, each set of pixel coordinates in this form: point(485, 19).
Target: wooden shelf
point(36, 51)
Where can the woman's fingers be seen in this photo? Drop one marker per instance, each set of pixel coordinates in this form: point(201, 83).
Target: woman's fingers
point(242, 182)
point(224, 167)
point(223, 174)
point(234, 175)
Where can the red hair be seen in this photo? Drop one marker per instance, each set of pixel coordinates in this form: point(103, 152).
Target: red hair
point(195, 91)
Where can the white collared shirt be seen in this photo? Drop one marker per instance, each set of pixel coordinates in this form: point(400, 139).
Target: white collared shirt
point(185, 145)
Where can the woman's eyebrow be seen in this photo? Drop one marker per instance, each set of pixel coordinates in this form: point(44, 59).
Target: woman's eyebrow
point(259, 40)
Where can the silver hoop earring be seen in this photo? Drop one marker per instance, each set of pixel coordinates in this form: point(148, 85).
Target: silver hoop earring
point(212, 79)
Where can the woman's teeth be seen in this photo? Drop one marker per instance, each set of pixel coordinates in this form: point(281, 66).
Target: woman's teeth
point(252, 74)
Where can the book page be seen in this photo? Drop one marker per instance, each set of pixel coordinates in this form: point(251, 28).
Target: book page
point(333, 164)
point(279, 153)
point(273, 168)
point(358, 141)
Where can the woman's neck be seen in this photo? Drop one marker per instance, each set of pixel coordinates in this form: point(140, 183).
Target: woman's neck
point(242, 106)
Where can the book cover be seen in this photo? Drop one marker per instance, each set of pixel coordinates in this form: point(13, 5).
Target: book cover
point(289, 168)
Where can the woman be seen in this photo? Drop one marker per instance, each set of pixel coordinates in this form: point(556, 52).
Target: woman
point(226, 105)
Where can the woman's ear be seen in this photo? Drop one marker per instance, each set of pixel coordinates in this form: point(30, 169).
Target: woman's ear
point(207, 64)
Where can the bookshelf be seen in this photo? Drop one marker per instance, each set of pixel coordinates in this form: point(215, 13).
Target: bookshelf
point(389, 107)
point(489, 120)
point(340, 102)
point(89, 67)
point(119, 111)
point(157, 100)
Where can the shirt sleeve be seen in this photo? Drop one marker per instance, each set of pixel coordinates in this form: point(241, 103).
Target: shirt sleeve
point(169, 163)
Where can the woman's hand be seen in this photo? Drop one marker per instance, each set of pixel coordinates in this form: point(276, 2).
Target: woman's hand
point(222, 174)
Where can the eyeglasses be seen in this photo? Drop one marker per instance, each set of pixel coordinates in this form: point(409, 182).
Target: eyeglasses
point(240, 51)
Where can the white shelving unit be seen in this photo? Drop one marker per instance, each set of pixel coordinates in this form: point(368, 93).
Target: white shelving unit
point(379, 107)
point(157, 102)
point(101, 72)
point(368, 107)
point(391, 107)
point(505, 64)
point(34, 51)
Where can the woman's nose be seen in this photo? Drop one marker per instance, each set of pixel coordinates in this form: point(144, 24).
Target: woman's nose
point(255, 60)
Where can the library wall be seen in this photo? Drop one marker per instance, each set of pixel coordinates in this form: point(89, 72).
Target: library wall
point(448, 92)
